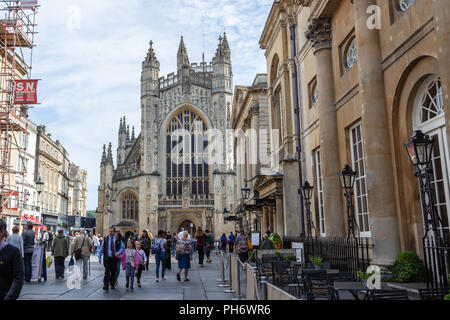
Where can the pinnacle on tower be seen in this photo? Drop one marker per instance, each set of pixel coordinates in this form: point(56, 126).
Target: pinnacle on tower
point(225, 45)
point(132, 135)
point(104, 155)
point(128, 132)
point(151, 56)
point(182, 47)
point(109, 159)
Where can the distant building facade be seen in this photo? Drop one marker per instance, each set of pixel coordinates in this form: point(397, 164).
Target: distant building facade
point(77, 190)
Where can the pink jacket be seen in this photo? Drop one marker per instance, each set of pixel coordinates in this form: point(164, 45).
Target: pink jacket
point(123, 257)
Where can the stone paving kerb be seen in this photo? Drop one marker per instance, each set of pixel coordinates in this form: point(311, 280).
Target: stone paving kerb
point(203, 285)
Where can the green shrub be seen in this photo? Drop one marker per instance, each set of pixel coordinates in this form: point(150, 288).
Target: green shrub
point(447, 297)
point(316, 261)
point(408, 268)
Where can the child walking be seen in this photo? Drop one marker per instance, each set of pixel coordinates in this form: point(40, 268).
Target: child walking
point(129, 262)
point(141, 262)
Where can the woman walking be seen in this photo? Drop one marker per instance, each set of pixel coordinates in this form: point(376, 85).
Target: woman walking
point(146, 244)
point(184, 256)
point(223, 242)
point(143, 261)
point(129, 260)
point(200, 237)
point(158, 249)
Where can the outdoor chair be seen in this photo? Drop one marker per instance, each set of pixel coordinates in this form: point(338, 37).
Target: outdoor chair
point(285, 276)
point(280, 269)
point(319, 286)
point(264, 270)
point(387, 295)
point(433, 294)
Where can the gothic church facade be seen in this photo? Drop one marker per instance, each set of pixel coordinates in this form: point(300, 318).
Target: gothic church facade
point(162, 182)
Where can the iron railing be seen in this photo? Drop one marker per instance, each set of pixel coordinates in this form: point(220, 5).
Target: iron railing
point(437, 261)
point(346, 254)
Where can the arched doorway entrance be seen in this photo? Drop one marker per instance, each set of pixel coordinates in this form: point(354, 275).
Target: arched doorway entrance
point(186, 224)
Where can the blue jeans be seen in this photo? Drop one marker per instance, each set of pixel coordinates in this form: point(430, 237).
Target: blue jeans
point(174, 247)
point(95, 250)
point(118, 267)
point(129, 272)
point(160, 258)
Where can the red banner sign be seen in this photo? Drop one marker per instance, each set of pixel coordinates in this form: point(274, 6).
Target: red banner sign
point(25, 92)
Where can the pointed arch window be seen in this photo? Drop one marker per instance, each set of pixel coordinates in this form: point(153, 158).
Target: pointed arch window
point(429, 103)
point(186, 154)
point(130, 206)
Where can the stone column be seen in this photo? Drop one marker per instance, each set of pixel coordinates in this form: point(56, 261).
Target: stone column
point(441, 13)
point(264, 220)
point(375, 130)
point(319, 32)
point(279, 215)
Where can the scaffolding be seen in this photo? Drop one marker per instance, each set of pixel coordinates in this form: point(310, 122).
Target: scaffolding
point(17, 31)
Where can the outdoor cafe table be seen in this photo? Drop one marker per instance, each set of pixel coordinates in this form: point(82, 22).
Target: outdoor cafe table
point(352, 286)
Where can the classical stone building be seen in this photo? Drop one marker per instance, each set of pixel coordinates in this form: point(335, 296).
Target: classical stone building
point(252, 144)
point(52, 166)
point(369, 73)
point(77, 190)
point(164, 179)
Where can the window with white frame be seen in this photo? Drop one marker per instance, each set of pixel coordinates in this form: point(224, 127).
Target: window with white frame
point(351, 54)
point(404, 5)
point(429, 117)
point(360, 188)
point(319, 190)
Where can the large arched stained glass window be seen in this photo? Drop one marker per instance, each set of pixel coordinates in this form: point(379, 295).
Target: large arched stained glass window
point(130, 206)
point(186, 154)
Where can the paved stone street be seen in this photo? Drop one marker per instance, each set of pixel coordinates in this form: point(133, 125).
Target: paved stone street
point(203, 285)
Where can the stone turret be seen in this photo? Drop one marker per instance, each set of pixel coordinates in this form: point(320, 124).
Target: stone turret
point(150, 74)
point(222, 73)
point(183, 67)
point(122, 145)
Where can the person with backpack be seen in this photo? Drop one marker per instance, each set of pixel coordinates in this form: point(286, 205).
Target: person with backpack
point(209, 245)
point(242, 247)
point(201, 242)
point(158, 249)
point(81, 250)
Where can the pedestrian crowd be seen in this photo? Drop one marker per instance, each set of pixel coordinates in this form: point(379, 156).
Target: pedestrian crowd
point(130, 253)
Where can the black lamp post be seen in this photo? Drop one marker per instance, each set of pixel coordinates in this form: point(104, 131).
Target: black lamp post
point(39, 185)
point(245, 192)
point(307, 190)
point(420, 150)
point(226, 215)
point(348, 177)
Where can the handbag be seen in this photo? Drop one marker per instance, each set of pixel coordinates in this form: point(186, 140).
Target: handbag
point(249, 243)
point(78, 252)
point(71, 262)
point(49, 261)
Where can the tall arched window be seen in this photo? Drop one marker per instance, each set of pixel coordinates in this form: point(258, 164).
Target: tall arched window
point(130, 206)
point(428, 116)
point(186, 152)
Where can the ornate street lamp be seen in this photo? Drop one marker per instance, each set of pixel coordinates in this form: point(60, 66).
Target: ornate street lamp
point(226, 215)
point(307, 190)
point(245, 192)
point(39, 185)
point(348, 177)
point(420, 150)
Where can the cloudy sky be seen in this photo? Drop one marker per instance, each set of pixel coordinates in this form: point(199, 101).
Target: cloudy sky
point(89, 56)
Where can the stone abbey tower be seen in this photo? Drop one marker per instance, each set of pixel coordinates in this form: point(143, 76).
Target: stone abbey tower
point(149, 187)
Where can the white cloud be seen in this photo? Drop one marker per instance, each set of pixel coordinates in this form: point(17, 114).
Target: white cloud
point(90, 75)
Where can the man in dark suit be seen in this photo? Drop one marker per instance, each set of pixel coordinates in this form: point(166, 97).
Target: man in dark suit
point(110, 249)
point(11, 268)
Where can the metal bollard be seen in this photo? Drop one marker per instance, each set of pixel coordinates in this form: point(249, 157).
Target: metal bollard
point(238, 294)
point(222, 281)
point(230, 290)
